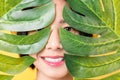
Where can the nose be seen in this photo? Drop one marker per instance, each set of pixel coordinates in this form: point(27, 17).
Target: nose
point(54, 40)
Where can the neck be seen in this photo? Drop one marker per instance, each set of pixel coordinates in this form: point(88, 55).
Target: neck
point(45, 77)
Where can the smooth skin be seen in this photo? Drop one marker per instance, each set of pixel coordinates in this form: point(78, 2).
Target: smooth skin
point(50, 61)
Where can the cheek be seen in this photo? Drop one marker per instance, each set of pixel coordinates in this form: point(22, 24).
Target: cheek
point(33, 55)
point(35, 64)
point(36, 61)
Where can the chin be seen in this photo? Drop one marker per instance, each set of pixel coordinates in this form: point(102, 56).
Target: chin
point(57, 75)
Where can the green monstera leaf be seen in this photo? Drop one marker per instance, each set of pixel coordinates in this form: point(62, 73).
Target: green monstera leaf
point(88, 56)
point(27, 16)
point(12, 66)
point(19, 64)
point(4, 77)
point(23, 16)
point(6, 5)
point(24, 44)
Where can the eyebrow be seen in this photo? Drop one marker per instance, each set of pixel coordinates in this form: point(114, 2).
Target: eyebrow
point(62, 21)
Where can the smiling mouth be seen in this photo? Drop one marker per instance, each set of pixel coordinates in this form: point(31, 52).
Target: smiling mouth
point(53, 61)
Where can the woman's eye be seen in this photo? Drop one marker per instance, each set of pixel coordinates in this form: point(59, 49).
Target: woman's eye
point(68, 28)
point(72, 30)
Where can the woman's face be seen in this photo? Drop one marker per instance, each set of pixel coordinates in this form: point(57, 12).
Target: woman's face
point(50, 61)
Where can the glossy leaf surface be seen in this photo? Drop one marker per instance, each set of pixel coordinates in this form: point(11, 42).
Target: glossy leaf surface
point(12, 65)
point(23, 16)
point(89, 57)
point(6, 5)
point(24, 44)
point(4, 77)
point(28, 15)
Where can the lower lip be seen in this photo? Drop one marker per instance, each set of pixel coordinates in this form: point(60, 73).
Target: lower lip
point(54, 64)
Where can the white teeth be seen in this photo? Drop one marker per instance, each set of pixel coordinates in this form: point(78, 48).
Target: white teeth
point(53, 59)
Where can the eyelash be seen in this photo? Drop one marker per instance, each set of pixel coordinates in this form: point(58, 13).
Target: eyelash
point(26, 33)
point(70, 29)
